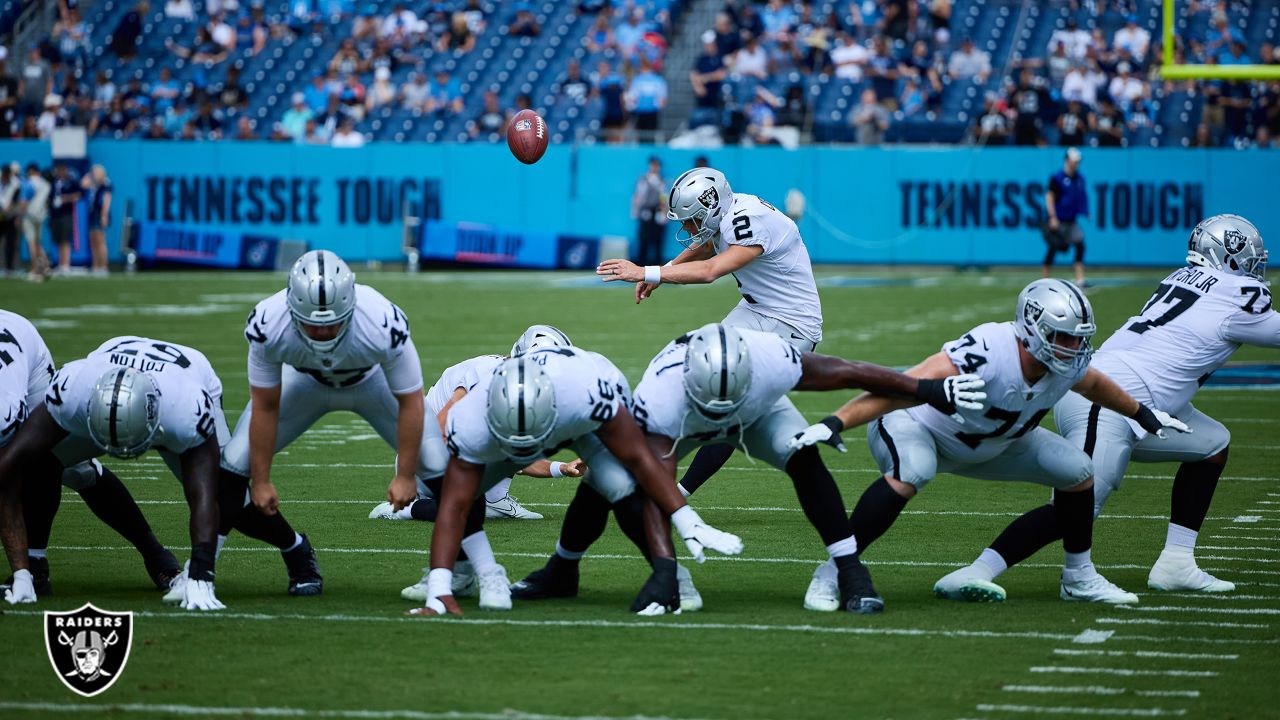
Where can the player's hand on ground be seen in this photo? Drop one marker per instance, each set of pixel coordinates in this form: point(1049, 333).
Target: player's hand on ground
point(23, 590)
point(965, 391)
point(199, 595)
point(264, 497)
point(575, 468)
point(661, 592)
point(618, 269)
point(698, 535)
point(436, 606)
point(402, 491)
point(821, 432)
point(644, 290)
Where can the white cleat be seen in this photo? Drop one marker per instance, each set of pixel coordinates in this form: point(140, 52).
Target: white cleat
point(967, 586)
point(690, 598)
point(509, 508)
point(1092, 587)
point(1178, 571)
point(383, 511)
point(464, 584)
point(177, 587)
point(495, 590)
point(823, 594)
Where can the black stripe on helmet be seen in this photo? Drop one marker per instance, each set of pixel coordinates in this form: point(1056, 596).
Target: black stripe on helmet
point(671, 197)
point(520, 397)
point(724, 363)
point(320, 271)
point(1084, 306)
point(113, 410)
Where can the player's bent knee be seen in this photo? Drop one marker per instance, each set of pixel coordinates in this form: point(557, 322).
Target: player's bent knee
point(1220, 458)
point(907, 488)
point(1086, 484)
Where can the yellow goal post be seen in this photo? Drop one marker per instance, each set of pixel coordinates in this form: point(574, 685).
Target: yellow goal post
point(1170, 70)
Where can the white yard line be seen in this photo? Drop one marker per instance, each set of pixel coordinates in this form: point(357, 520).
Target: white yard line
point(1209, 596)
point(105, 709)
point(1146, 654)
point(1121, 672)
point(1207, 610)
point(1242, 537)
point(1078, 710)
point(1232, 558)
point(1096, 690)
point(1197, 623)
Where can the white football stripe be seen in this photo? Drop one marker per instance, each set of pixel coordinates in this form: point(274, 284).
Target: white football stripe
point(105, 709)
point(1078, 710)
point(1123, 672)
point(1146, 654)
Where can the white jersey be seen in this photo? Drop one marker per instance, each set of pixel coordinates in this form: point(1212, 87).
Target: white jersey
point(190, 391)
point(661, 407)
point(378, 336)
point(779, 283)
point(1188, 329)
point(589, 390)
point(26, 366)
point(1014, 407)
point(466, 375)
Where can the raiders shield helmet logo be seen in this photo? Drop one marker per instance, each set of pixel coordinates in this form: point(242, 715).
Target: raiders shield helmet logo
point(709, 198)
point(88, 647)
point(1234, 240)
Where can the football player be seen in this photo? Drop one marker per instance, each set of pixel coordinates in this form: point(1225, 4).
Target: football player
point(26, 367)
point(129, 395)
point(1028, 365)
point(1198, 316)
point(728, 233)
point(722, 383)
point(326, 344)
point(534, 405)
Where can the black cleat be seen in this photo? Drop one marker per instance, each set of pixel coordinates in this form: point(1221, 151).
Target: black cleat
point(557, 579)
point(304, 571)
point(661, 593)
point(857, 594)
point(163, 567)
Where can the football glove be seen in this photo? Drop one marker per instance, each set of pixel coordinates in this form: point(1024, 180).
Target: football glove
point(198, 595)
point(661, 593)
point(827, 431)
point(23, 589)
point(950, 393)
point(1155, 421)
point(698, 535)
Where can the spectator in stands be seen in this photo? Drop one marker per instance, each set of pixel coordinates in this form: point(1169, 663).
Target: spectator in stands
point(475, 14)
point(1082, 83)
point(103, 90)
point(778, 20)
point(940, 19)
point(382, 93)
point(244, 129)
point(231, 96)
point(784, 57)
point(8, 97)
point(1132, 37)
point(54, 115)
point(1220, 34)
point(208, 121)
point(347, 58)
point(1073, 123)
point(312, 134)
point(969, 63)
point(383, 55)
point(10, 187)
point(1028, 101)
point(458, 38)
point(524, 24)
point(816, 39)
point(414, 93)
point(177, 116)
point(919, 65)
point(251, 35)
point(993, 126)
point(861, 19)
point(574, 86)
point(727, 38)
point(1066, 201)
point(179, 10)
point(749, 21)
point(346, 135)
point(912, 100)
point(29, 129)
point(849, 57)
point(1203, 137)
point(400, 27)
point(64, 193)
point(1058, 65)
point(316, 95)
point(751, 60)
point(1075, 40)
point(630, 32)
point(648, 209)
point(1236, 99)
point(203, 50)
point(114, 121)
point(599, 37)
point(445, 95)
point(761, 117)
point(156, 130)
point(124, 39)
point(869, 119)
point(34, 209)
point(491, 122)
point(329, 120)
point(882, 69)
point(221, 32)
point(899, 15)
point(35, 82)
point(352, 97)
point(707, 78)
point(164, 91)
point(70, 36)
point(366, 24)
point(296, 117)
point(610, 86)
point(645, 98)
point(1124, 87)
point(97, 189)
point(794, 112)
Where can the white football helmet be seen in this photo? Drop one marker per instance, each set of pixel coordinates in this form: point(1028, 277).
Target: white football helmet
point(321, 291)
point(539, 336)
point(1055, 323)
point(717, 372)
point(1228, 243)
point(703, 196)
point(522, 409)
point(124, 412)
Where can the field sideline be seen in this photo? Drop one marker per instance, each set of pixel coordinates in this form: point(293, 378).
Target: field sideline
point(753, 652)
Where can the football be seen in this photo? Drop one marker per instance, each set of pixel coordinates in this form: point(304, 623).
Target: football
point(527, 136)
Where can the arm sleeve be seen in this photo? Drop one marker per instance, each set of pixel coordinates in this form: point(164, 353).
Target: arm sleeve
point(1262, 329)
point(404, 370)
point(263, 373)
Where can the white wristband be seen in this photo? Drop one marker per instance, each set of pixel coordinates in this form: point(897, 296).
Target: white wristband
point(653, 274)
point(684, 519)
point(439, 582)
point(555, 469)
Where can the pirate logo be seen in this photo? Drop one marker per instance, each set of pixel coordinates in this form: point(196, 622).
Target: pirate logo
point(709, 198)
point(1234, 240)
point(88, 647)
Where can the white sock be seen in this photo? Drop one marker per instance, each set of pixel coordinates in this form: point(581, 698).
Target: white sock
point(1078, 562)
point(404, 513)
point(297, 540)
point(989, 565)
point(34, 553)
point(826, 571)
point(478, 551)
point(568, 554)
point(499, 491)
point(1180, 539)
point(222, 540)
point(841, 548)
point(683, 492)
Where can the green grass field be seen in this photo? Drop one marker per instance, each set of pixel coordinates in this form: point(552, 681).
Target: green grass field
point(753, 652)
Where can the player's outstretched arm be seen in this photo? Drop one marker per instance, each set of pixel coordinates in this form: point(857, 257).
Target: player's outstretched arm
point(263, 424)
point(694, 272)
point(457, 493)
point(404, 487)
point(1097, 387)
point(825, 372)
point(37, 434)
point(575, 468)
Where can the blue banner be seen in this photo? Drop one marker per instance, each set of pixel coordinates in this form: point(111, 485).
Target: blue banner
point(476, 244)
point(160, 243)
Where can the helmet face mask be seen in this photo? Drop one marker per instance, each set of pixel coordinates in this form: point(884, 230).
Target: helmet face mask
point(124, 412)
point(698, 201)
point(717, 373)
point(322, 298)
point(522, 409)
point(1228, 243)
point(539, 336)
point(1055, 325)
